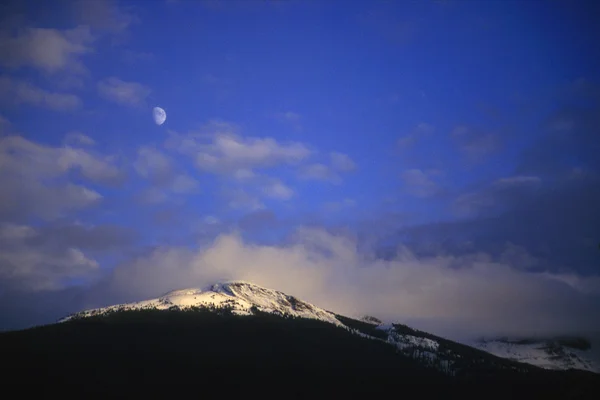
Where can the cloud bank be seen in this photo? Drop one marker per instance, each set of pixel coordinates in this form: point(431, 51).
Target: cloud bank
point(457, 295)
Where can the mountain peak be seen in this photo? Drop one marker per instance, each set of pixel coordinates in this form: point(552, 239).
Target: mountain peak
point(241, 296)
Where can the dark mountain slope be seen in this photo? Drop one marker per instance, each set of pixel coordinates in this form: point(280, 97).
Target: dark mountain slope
point(219, 353)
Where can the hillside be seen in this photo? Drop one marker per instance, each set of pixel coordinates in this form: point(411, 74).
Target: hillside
point(136, 349)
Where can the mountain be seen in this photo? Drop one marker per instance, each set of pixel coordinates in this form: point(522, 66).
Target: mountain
point(243, 298)
point(236, 336)
point(558, 353)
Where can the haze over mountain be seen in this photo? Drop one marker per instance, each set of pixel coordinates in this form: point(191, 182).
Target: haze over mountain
point(433, 163)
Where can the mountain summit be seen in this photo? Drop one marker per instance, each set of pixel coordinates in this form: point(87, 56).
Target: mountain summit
point(241, 297)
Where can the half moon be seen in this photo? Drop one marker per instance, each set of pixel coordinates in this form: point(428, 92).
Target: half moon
point(159, 115)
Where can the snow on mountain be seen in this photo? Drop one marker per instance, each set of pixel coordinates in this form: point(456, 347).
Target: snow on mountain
point(239, 295)
point(244, 297)
point(546, 353)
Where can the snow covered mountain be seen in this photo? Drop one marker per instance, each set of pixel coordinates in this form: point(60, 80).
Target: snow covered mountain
point(548, 353)
point(244, 298)
point(240, 296)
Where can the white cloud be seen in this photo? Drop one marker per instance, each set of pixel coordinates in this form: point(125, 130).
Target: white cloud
point(104, 15)
point(33, 178)
point(278, 190)
point(240, 199)
point(159, 169)
point(319, 172)
point(94, 168)
point(342, 162)
point(419, 183)
point(153, 164)
point(475, 293)
point(28, 158)
point(30, 266)
point(421, 130)
point(49, 50)
point(291, 118)
point(78, 138)
point(20, 92)
point(121, 92)
point(242, 174)
point(227, 153)
point(183, 184)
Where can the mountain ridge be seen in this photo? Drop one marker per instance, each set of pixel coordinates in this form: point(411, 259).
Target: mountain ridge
point(245, 298)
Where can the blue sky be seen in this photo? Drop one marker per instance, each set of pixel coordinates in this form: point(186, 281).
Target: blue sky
point(443, 128)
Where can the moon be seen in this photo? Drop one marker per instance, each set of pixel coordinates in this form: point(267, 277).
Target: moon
point(159, 115)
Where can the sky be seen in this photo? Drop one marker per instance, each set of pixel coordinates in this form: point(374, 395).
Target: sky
point(428, 162)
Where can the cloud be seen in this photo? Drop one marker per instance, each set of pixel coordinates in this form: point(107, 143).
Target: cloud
point(159, 169)
point(21, 92)
point(327, 269)
point(261, 219)
point(475, 144)
point(568, 139)
point(291, 118)
point(421, 130)
point(240, 199)
point(277, 190)
point(30, 266)
point(48, 257)
point(339, 163)
point(500, 194)
point(319, 172)
point(184, 184)
point(336, 206)
point(342, 162)
point(419, 183)
point(48, 50)
point(103, 15)
point(78, 139)
point(556, 223)
point(35, 178)
point(226, 153)
point(153, 164)
point(131, 94)
point(91, 238)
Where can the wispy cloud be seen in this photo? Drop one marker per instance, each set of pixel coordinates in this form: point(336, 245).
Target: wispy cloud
point(338, 163)
point(342, 162)
point(291, 118)
point(497, 195)
point(34, 175)
point(159, 169)
point(22, 92)
point(103, 15)
point(475, 144)
point(319, 172)
point(78, 139)
point(277, 190)
point(420, 131)
point(44, 258)
point(226, 153)
point(125, 93)
point(421, 183)
point(48, 50)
